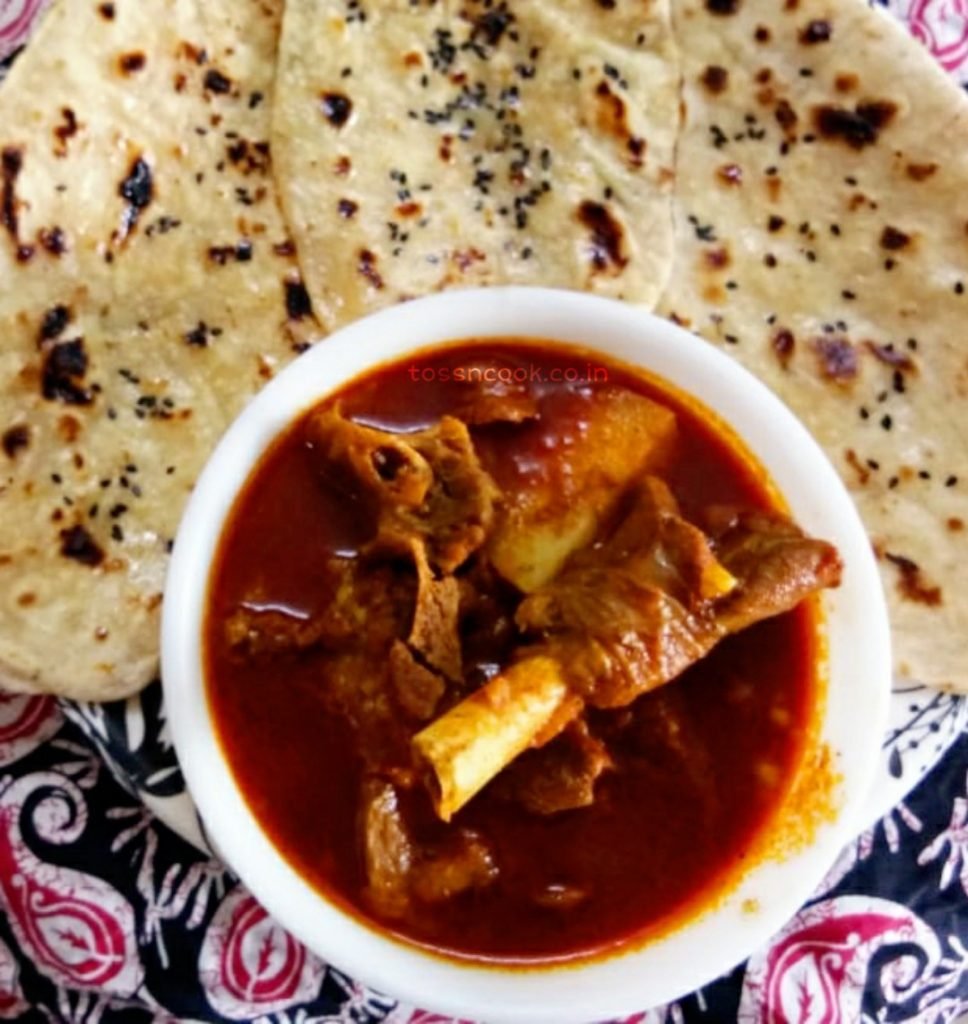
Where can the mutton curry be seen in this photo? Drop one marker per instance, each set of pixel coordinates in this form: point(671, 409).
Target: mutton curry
point(440, 627)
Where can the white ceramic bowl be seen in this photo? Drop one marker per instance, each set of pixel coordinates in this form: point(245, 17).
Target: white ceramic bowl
point(853, 719)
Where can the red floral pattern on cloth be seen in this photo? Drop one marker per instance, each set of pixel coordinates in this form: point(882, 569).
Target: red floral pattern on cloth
point(429, 1017)
point(25, 723)
point(12, 1002)
point(249, 966)
point(78, 929)
point(17, 19)
point(942, 26)
point(816, 970)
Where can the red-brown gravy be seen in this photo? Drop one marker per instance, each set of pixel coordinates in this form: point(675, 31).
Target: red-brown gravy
point(697, 778)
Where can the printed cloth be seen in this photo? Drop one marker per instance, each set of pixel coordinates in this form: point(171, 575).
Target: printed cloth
point(111, 918)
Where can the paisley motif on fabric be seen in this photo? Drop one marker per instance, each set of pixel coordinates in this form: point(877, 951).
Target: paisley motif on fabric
point(78, 930)
point(429, 1017)
point(25, 723)
point(942, 25)
point(841, 959)
point(249, 966)
point(16, 22)
point(12, 1003)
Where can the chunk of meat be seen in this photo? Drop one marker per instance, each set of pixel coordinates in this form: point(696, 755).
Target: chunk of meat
point(778, 565)
point(679, 557)
point(633, 613)
point(388, 465)
point(497, 401)
point(462, 863)
point(254, 629)
point(559, 776)
point(628, 615)
point(546, 517)
point(357, 686)
point(428, 485)
point(417, 688)
point(615, 636)
point(387, 850)
point(625, 616)
point(488, 633)
point(434, 631)
point(399, 871)
point(358, 595)
point(659, 727)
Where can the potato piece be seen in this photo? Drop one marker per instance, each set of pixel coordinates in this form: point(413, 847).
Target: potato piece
point(538, 527)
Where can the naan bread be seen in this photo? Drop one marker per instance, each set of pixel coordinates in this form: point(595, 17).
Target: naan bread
point(426, 146)
point(149, 288)
point(822, 239)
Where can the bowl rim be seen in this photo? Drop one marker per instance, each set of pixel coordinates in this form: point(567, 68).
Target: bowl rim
point(858, 652)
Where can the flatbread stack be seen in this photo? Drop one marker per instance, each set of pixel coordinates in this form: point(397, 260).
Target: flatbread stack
point(200, 190)
point(149, 288)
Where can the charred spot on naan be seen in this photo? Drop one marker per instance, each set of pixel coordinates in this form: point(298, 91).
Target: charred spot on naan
point(846, 81)
point(336, 108)
point(64, 368)
point(911, 583)
point(366, 264)
point(15, 439)
point(837, 358)
point(783, 344)
point(65, 130)
point(857, 128)
point(606, 238)
point(818, 30)
point(78, 545)
point(612, 119)
point(298, 304)
point(131, 63)
point(893, 356)
point(54, 322)
point(216, 82)
point(715, 78)
point(787, 118)
point(11, 164)
point(921, 171)
point(894, 239)
point(723, 7)
point(53, 240)
point(730, 174)
point(137, 190)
